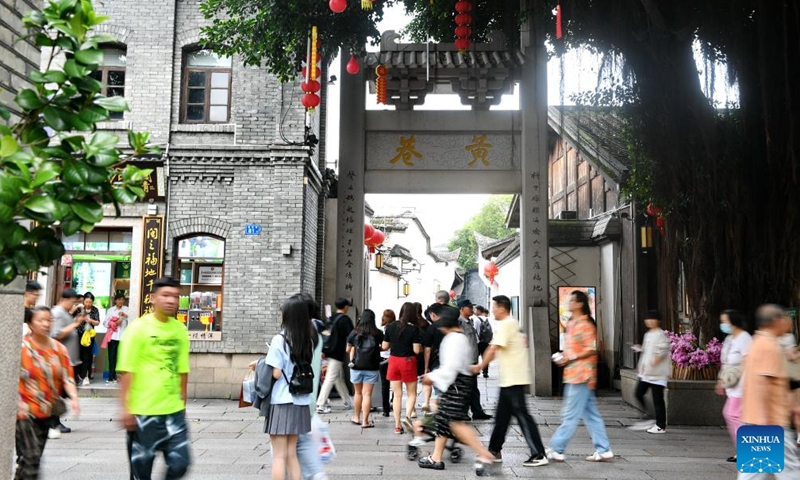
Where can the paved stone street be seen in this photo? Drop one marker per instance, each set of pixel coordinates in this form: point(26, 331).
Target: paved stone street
point(227, 443)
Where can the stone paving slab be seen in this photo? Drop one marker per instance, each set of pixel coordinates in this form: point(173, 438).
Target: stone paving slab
point(228, 443)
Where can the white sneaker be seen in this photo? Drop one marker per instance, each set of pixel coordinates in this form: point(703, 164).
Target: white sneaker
point(325, 409)
point(601, 457)
point(53, 433)
point(86, 382)
point(553, 455)
point(640, 426)
point(657, 429)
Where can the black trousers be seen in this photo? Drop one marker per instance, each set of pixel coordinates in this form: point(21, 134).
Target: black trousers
point(386, 387)
point(512, 404)
point(482, 348)
point(475, 404)
point(113, 348)
point(85, 368)
point(31, 437)
point(658, 400)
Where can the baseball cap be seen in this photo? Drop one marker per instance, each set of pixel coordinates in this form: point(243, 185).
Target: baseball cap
point(464, 302)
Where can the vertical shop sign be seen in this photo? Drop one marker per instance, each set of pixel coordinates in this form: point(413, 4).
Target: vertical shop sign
point(152, 258)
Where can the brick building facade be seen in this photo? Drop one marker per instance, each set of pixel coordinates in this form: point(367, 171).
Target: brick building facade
point(234, 158)
point(17, 57)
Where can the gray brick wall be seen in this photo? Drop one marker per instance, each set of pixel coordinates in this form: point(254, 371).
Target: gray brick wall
point(17, 58)
point(222, 176)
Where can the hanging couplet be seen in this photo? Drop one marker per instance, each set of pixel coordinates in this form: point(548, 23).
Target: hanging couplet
point(152, 258)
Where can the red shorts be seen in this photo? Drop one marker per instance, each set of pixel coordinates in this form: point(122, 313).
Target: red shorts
point(402, 369)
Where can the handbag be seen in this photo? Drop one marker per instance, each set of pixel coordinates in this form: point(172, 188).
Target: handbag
point(88, 334)
point(729, 375)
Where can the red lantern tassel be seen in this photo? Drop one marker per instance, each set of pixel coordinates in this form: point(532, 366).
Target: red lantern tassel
point(559, 33)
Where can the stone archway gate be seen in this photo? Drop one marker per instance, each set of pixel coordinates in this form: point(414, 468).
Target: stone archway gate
point(475, 151)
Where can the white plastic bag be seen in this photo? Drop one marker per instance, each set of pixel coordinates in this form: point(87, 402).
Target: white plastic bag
point(249, 388)
point(319, 432)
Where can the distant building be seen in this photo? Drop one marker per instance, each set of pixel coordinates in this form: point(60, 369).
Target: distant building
point(235, 205)
point(410, 270)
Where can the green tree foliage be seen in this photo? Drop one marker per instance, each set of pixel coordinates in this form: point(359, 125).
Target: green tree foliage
point(490, 222)
point(275, 33)
point(55, 170)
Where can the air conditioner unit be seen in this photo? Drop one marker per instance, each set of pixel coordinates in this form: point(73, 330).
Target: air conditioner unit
point(568, 215)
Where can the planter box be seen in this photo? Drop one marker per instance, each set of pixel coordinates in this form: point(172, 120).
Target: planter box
point(689, 402)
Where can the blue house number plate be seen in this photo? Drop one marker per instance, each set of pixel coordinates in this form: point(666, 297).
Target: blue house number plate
point(252, 229)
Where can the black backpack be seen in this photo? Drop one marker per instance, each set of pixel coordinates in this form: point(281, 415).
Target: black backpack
point(485, 333)
point(329, 334)
point(302, 381)
point(365, 353)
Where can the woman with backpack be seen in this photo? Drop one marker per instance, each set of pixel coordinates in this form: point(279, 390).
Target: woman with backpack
point(290, 355)
point(364, 348)
point(403, 341)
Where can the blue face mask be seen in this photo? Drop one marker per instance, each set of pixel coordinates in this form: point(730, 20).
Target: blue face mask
point(726, 328)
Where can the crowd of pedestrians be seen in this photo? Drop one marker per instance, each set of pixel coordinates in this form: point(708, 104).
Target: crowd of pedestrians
point(443, 348)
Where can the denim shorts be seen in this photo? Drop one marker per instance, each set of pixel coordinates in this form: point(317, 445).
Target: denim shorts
point(365, 376)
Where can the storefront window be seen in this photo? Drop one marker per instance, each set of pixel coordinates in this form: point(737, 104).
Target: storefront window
point(200, 265)
point(97, 241)
point(120, 241)
point(73, 242)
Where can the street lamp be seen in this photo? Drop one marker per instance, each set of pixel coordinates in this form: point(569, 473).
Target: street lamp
point(378, 261)
point(406, 289)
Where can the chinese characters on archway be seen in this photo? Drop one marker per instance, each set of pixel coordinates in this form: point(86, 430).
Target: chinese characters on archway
point(352, 222)
point(538, 250)
point(476, 153)
point(152, 258)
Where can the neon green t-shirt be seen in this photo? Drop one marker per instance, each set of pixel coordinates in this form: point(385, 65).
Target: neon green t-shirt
point(156, 353)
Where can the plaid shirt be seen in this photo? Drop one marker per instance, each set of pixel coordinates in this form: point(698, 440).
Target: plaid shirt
point(581, 336)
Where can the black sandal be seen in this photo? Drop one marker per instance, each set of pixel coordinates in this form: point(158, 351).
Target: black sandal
point(427, 462)
point(731, 459)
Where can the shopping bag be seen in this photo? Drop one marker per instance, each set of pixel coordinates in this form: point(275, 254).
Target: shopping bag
point(319, 432)
point(248, 390)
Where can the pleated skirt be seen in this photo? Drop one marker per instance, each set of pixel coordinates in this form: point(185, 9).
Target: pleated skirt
point(289, 419)
point(453, 405)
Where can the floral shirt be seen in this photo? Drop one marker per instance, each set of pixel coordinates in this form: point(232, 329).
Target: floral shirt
point(581, 336)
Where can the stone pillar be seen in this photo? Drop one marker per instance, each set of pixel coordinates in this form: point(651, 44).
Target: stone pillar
point(533, 208)
point(350, 212)
point(11, 323)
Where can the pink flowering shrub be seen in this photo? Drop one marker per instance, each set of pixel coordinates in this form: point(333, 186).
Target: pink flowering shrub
point(686, 351)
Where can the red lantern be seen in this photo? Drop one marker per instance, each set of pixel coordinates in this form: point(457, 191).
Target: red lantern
point(463, 31)
point(369, 230)
point(463, 19)
point(310, 101)
point(463, 6)
point(661, 223)
point(380, 84)
point(462, 44)
point(375, 240)
point(491, 271)
point(352, 66)
point(653, 211)
point(452, 294)
point(311, 86)
point(337, 6)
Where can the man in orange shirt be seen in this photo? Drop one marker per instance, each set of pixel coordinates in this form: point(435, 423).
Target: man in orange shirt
point(766, 398)
point(580, 380)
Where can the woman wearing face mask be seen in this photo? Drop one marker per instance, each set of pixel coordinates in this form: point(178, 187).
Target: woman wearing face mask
point(734, 350)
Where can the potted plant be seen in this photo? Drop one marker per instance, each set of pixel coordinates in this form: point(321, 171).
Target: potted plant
point(693, 361)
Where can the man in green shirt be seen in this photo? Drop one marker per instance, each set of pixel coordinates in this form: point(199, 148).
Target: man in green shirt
point(154, 361)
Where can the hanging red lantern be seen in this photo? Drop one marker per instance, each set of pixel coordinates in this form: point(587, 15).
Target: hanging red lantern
point(661, 223)
point(463, 6)
point(463, 20)
point(352, 66)
point(369, 230)
point(375, 240)
point(463, 31)
point(337, 6)
point(491, 271)
point(311, 86)
point(380, 84)
point(310, 101)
